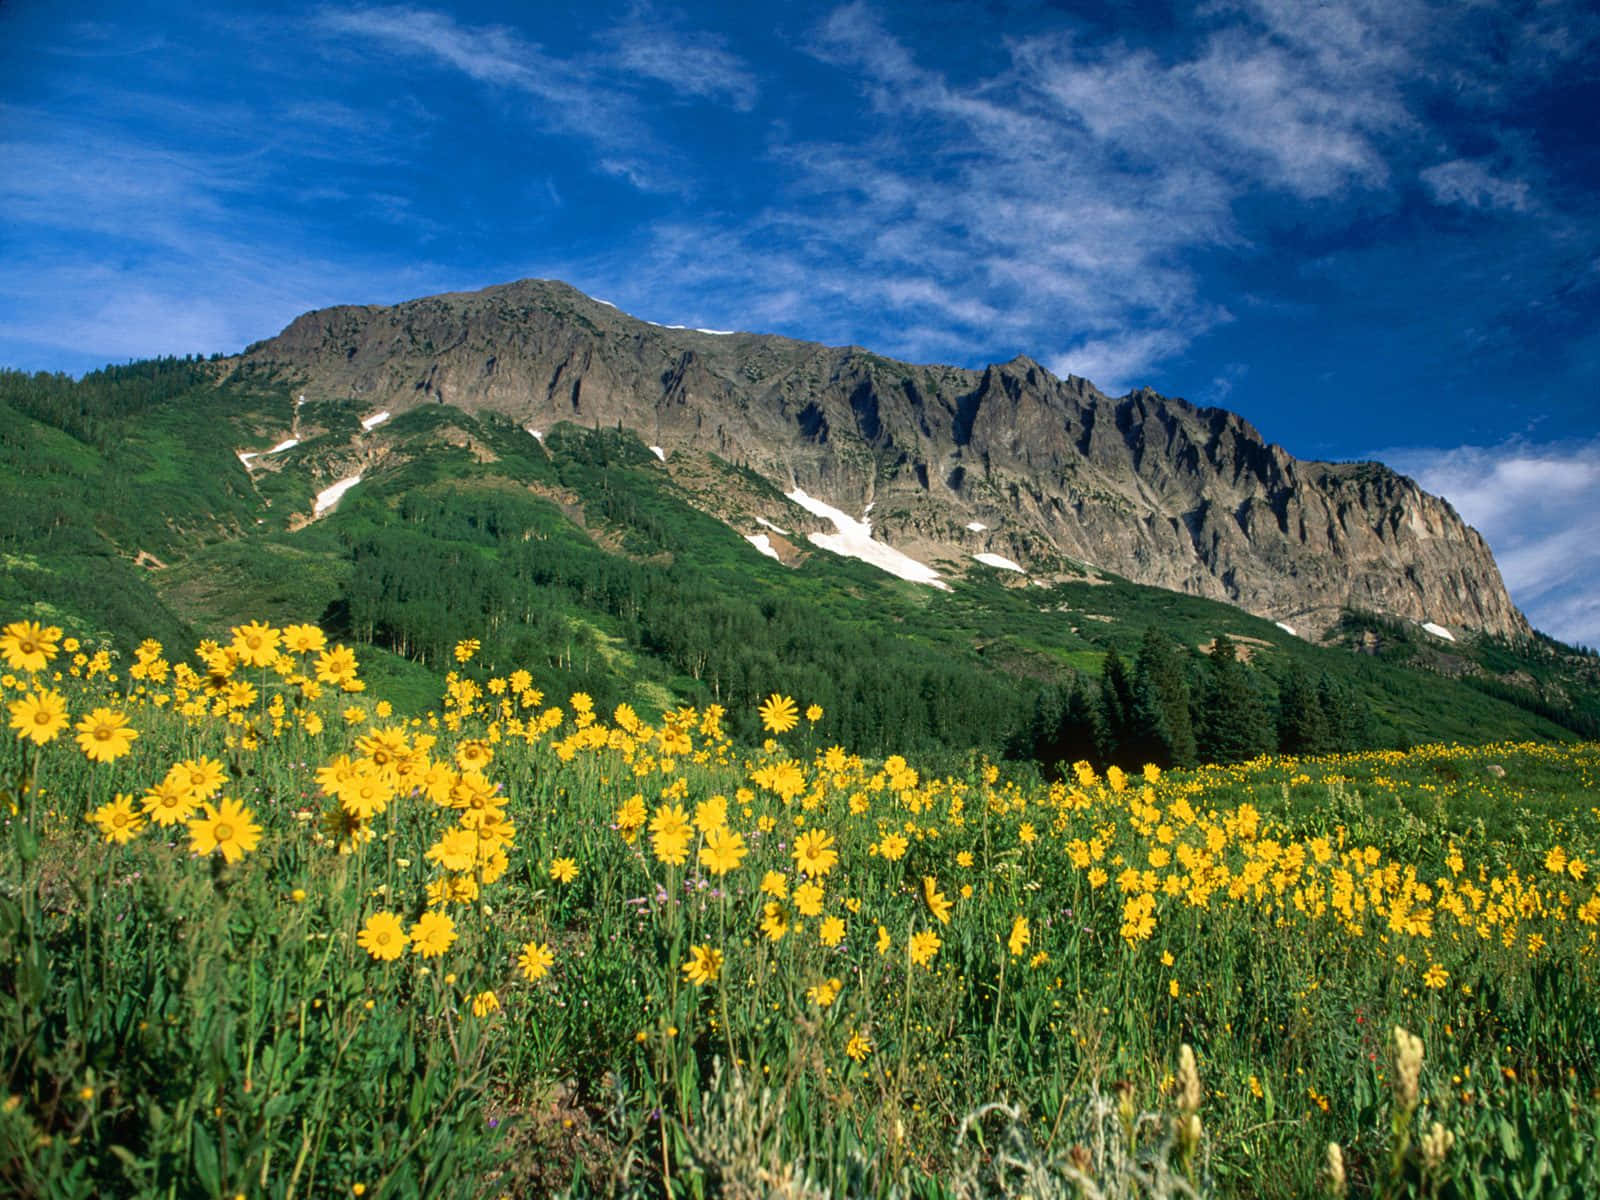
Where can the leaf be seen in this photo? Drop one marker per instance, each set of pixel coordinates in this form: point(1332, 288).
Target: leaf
point(206, 1167)
point(10, 918)
point(1509, 1144)
point(125, 1156)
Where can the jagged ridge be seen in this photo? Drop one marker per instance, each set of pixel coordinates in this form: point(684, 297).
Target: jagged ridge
point(1150, 487)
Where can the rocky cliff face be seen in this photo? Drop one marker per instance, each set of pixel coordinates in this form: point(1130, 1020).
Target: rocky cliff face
point(1155, 489)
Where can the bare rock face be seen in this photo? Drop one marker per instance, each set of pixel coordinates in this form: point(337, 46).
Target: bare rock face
point(1151, 488)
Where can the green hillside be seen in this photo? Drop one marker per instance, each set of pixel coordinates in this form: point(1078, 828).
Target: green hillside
point(581, 558)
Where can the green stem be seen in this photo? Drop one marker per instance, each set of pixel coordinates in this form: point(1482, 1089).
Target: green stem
point(722, 980)
point(905, 1021)
point(994, 1025)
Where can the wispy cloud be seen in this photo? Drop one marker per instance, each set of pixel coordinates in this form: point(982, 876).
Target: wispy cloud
point(564, 94)
point(1058, 203)
point(1538, 506)
point(1470, 184)
point(1115, 363)
point(592, 95)
point(1063, 193)
point(127, 246)
point(692, 63)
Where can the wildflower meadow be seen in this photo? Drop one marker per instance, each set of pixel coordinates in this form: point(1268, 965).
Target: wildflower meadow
point(261, 935)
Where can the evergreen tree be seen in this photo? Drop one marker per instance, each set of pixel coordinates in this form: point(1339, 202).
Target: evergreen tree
point(1081, 735)
point(1349, 722)
point(1302, 723)
point(1162, 730)
point(1234, 723)
point(1042, 736)
point(1116, 708)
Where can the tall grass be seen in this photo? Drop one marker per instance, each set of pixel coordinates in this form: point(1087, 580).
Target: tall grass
point(1159, 985)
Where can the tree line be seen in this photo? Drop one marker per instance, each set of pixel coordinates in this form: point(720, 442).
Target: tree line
point(1175, 708)
point(508, 569)
point(92, 408)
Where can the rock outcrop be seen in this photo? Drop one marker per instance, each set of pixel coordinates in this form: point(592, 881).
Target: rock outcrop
point(1148, 487)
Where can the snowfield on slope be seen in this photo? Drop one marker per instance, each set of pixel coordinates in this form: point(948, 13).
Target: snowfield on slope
point(762, 543)
point(329, 496)
point(995, 560)
point(853, 539)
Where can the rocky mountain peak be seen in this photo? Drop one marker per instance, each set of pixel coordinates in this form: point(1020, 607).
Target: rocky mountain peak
point(1008, 460)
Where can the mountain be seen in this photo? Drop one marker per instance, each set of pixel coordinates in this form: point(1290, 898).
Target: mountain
point(1008, 462)
point(176, 499)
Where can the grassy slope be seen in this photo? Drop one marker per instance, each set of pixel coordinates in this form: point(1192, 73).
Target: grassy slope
point(168, 484)
point(175, 1026)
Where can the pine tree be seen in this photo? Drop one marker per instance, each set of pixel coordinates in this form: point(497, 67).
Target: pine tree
point(1162, 730)
point(1042, 736)
point(1349, 722)
point(1234, 725)
point(1116, 708)
point(1302, 723)
point(1081, 735)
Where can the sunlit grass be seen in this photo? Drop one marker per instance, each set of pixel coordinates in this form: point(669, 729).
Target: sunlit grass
point(261, 936)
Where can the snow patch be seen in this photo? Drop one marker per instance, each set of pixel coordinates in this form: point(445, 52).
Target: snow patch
point(762, 543)
point(686, 329)
point(299, 400)
point(762, 521)
point(976, 526)
point(376, 419)
point(994, 560)
point(330, 496)
point(854, 540)
point(1439, 631)
point(607, 303)
point(1289, 629)
point(538, 434)
point(659, 453)
point(245, 456)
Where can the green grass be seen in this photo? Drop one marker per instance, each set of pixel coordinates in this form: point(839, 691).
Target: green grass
point(702, 618)
point(172, 1024)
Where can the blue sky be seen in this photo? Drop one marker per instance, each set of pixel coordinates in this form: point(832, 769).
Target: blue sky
point(1373, 228)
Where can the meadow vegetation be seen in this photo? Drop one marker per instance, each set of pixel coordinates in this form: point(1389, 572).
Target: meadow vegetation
point(585, 560)
point(262, 935)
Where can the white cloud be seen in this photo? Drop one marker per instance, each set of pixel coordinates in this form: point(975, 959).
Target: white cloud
point(1059, 203)
point(693, 64)
point(1246, 107)
point(590, 95)
point(1538, 506)
point(1470, 184)
point(139, 247)
point(496, 55)
point(1114, 364)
